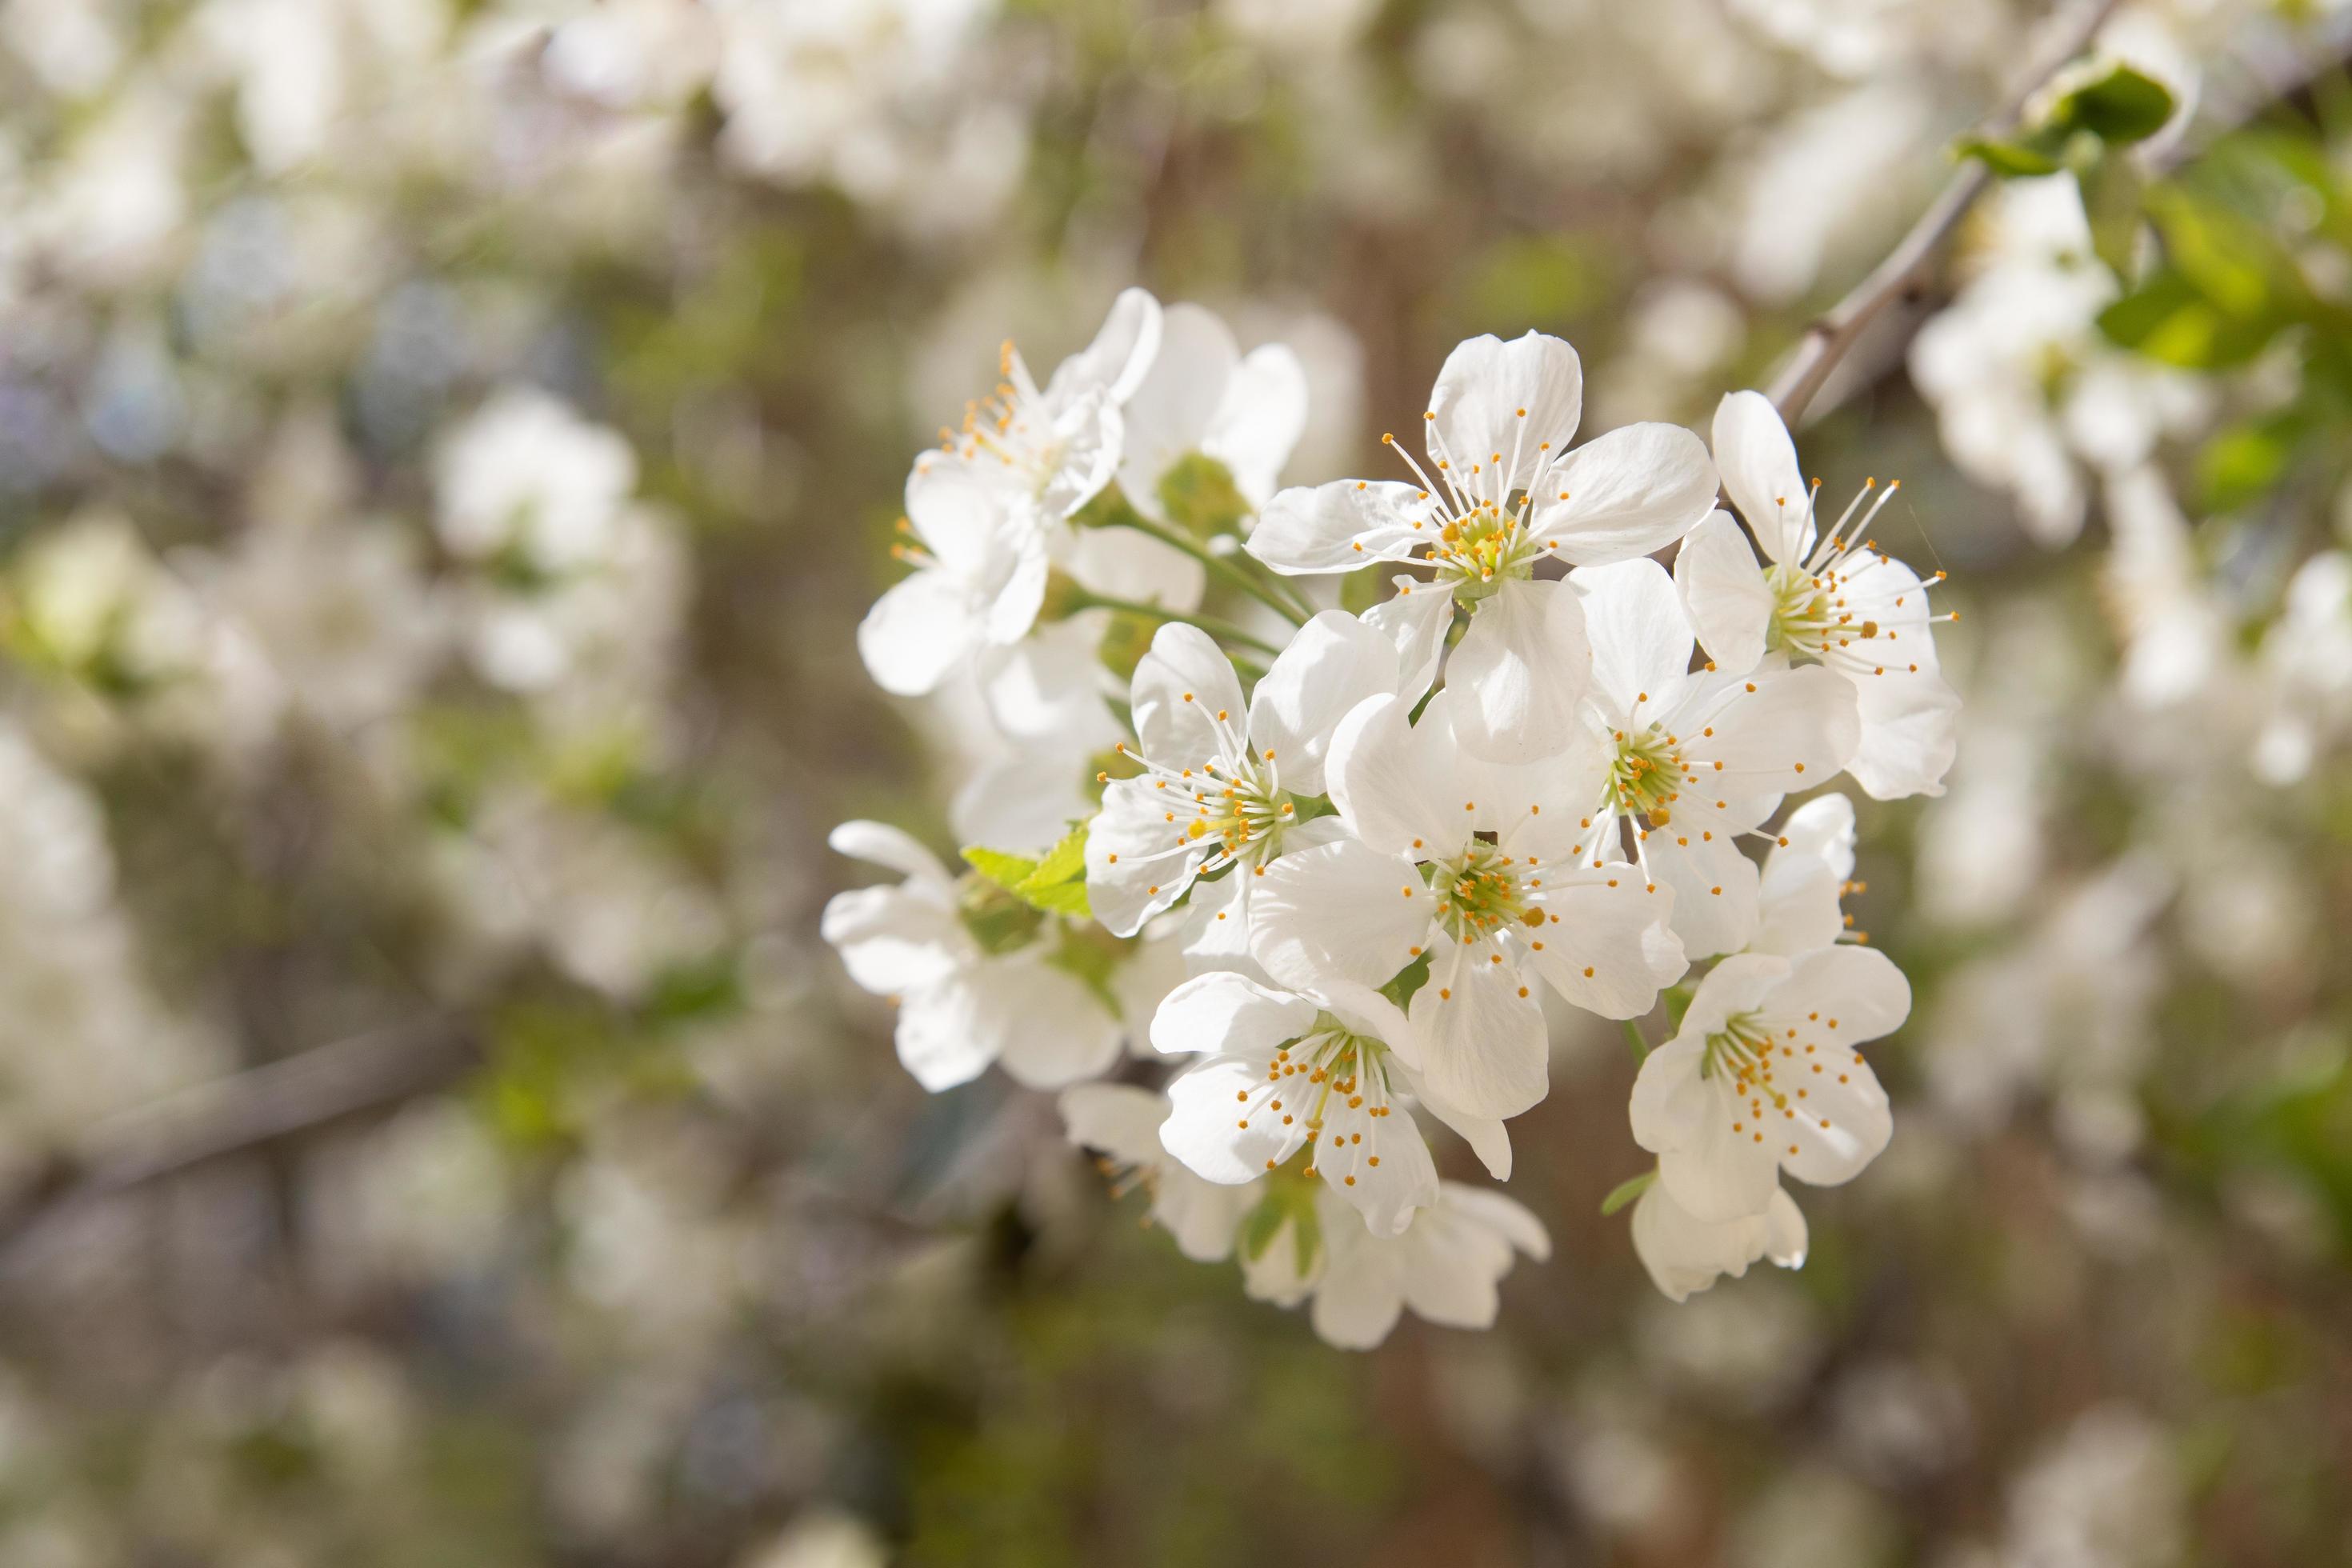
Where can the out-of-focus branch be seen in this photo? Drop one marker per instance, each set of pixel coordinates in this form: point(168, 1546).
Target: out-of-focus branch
point(238, 1114)
point(1906, 268)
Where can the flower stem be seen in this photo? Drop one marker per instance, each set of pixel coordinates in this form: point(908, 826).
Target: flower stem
point(1224, 631)
point(1633, 1039)
point(1231, 571)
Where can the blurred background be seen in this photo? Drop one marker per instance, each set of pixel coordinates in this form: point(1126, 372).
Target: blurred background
point(446, 449)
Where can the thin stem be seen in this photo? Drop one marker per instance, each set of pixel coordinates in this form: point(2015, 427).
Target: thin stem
point(1633, 1039)
point(1231, 571)
point(1224, 631)
point(1906, 267)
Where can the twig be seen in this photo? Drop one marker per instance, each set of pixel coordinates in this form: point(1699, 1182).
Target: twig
point(238, 1114)
point(1906, 268)
point(1231, 571)
point(1224, 631)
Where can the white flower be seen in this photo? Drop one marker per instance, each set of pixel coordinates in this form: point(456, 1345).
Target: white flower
point(1219, 781)
point(1282, 1071)
point(1694, 759)
point(1506, 493)
point(1474, 865)
point(1204, 395)
point(1053, 448)
point(980, 575)
point(1123, 1122)
point(526, 474)
point(974, 981)
point(1804, 877)
point(1838, 601)
point(1447, 1266)
point(1763, 1074)
point(1686, 1254)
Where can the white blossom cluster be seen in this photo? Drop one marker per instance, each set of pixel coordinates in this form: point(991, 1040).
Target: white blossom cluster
point(1342, 856)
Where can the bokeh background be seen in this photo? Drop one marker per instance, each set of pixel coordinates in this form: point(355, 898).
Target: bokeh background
point(431, 1132)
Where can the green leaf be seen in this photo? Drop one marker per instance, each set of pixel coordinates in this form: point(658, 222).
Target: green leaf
point(2168, 319)
point(2245, 461)
point(2119, 107)
point(2112, 188)
point(1261, 1225)
point(1407, 981)
point(1626, 1191)
point(1007, 871)
point(2009, 160)
point(1058, 883)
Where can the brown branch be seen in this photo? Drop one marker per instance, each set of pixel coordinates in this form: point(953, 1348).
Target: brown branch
point(1906, 268)
point(239, 1114)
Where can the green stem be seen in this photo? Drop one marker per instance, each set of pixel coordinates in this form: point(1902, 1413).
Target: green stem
point(1224, 631)
point(1231, 571)
point(1633, 1039)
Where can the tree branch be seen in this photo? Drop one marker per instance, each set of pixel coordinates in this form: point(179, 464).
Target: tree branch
point(238, 1114)
point(1906, 266)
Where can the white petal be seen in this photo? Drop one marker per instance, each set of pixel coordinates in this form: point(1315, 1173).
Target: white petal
point(1522, 667)
point(1499, 1216)
point(1608, 950)
point(1216, 930)
point(894, 942)
point(949, 1034)
point(1223, 1012)
point(1333, 663)
point(1226, 1127)
point(1339, 526)
point(1180, 686)
point(1125, 564)
point(1387, 784)
point(1507, 397)
point(1797, 905)
point(1260, 421)
point(1416, 621)
point(1759, 463)
point(1485, 1048)
point(1909, 733)
point(1715, 889)
point(1487, 1137)
point(1729, 1170)
point(1858, 990)
point(1119, 1119)
point(1630, 492)
point(1170, 412)
point(1360, 1295)
point(1202, 1215)
point(917, 631)
point(960, 513)
point(1121, 355)
point(1739, 985)
point(884, 845)
point(1640, 639)
point(1793, 729)
point(1342, 912)
point(1686, 1254)
point(1725, 593)
point(1138, 862)
point(1062, 1031)
point(1387, 1192)
point(1822, 830)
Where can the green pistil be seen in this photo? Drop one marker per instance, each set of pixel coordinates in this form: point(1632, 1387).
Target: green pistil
point(1478, 893)
point(1743, 1049)
point(1646, 775)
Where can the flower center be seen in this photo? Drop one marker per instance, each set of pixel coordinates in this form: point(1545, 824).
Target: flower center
point(1742, 1049)
point(1646, 775)
point(1485, 546)
point(1334, 1062)
point(1479, 892)
point(1004, 426)
point(1243, 807)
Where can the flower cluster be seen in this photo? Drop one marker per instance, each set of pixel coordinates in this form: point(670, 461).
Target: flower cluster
point(1339, 860)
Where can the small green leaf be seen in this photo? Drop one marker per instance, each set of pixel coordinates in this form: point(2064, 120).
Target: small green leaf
point(2119, 107)
point(1058, 883)
point(1626, 1191)
point(1261, 1225)
point(2245, 460)
point(1007, 871)
point(1407, 981)
point(2009, 160)
point(2111, 201)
